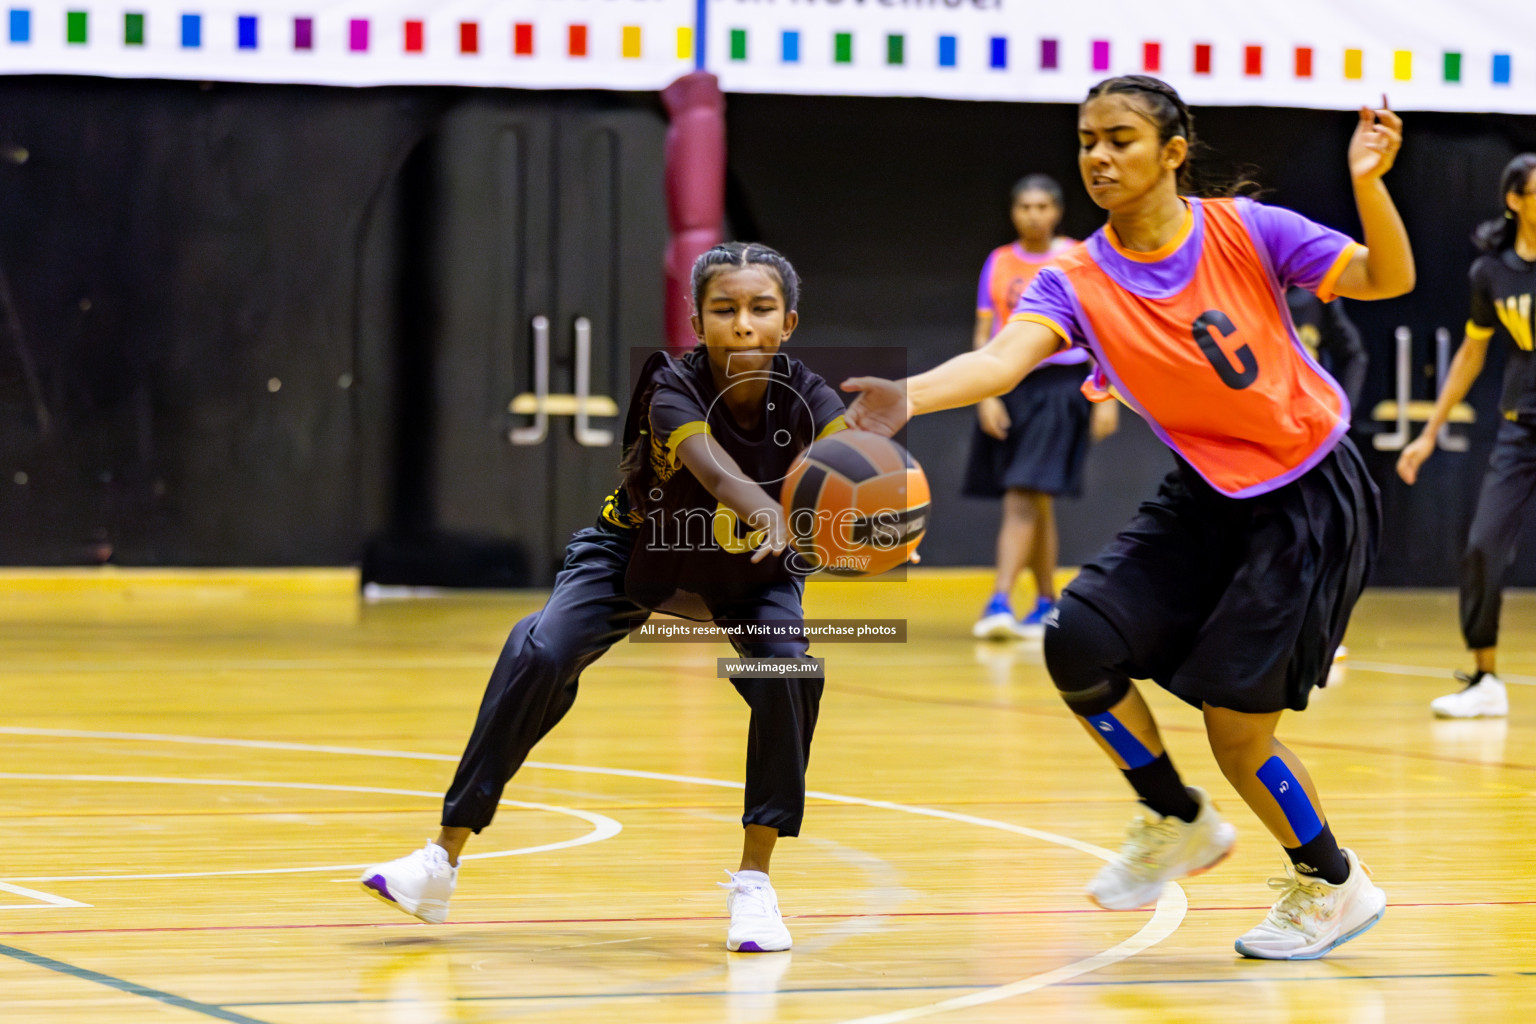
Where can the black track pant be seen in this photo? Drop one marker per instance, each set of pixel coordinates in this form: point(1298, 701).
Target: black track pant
point(1501, 510)
point(534, 684)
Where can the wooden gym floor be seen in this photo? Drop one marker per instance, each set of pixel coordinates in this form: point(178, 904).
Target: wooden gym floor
point(195, 767)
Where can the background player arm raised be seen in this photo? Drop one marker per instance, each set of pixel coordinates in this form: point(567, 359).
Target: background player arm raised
point(1385, 268)
point(712, 466)
point(995, 369)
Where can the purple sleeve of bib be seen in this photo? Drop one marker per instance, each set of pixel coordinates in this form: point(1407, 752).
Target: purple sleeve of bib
point(1301, 251)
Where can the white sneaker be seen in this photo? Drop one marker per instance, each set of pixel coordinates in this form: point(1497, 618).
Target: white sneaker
point(1158, 850)
point(419, 884)
point(756, 925)
point(1483, 697)
point(1001, 626)
point(1313, 916)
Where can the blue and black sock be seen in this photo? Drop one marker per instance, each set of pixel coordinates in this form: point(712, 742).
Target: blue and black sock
point(1160, 788)
point(1321, 857)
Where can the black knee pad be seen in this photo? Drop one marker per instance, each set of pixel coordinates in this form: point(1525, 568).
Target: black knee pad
point(1082, 652)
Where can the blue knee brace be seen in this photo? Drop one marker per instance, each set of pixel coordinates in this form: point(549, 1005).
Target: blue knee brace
point(1292, 798)
point(1121, 740)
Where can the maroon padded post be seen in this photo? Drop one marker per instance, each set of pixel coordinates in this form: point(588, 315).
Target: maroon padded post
point(695, 153)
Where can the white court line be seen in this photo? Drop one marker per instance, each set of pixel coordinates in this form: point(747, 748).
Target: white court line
point(1172, 905)
point(44, 899)
point(211, 741)
point(603, 827)
point(1419, 670)
point(259, 665)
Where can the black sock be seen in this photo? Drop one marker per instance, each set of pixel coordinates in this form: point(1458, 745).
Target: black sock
point(1160, 788)
point(1321, 858)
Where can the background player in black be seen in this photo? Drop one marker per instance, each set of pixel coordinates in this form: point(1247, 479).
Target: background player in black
point(1503, 283)
point(699, 429)
point(1332, 338)
point(1334, 341)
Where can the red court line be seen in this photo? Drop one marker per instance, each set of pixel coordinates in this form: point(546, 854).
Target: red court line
point(990, 705)
point(704, 917)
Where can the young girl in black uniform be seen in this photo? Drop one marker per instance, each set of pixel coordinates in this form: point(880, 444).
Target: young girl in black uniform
point(1503, 286)
point(702, 431)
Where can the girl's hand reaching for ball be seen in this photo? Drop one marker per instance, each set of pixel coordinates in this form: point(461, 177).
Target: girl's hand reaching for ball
point(882, 406)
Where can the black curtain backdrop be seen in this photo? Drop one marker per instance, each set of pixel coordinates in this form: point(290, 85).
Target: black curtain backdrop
point(199, 307)
point(889, 207)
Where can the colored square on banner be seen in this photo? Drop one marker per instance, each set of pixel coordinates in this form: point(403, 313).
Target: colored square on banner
point(522, 39)
point(133, 30)
point(789, 47)
point(576, 41)
point(1501, 69)
point(1100, 56)
point(1402, 65)
point(1253, 61)
point(895, 49)
point(949, 51)
point(1152, 57)
point(629, 42)
point(415, 37)
point(842, 48)
point(1202, 58)
point(245, 32)
point(684, 42)
point(1354, 64)
point(738, 44)
point(469, 37)
point(21, 26)
point(303, 33)
point(357, 35)
point(1452, 66)
point(1048, 55)
point(999, 52)
point(191, 31)
point(76, 27)
point(1303, 62)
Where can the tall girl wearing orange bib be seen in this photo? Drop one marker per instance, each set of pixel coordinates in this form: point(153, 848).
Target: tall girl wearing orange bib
point(1231, 587)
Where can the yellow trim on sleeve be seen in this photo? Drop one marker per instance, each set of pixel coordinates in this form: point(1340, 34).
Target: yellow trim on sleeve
point(1325, 286)
point(1477, 332)
point(840, 423)
point(680, 435)
point(1045, 321)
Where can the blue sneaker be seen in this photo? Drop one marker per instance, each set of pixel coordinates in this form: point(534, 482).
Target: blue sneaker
point(1034, 623)
point(997, 621)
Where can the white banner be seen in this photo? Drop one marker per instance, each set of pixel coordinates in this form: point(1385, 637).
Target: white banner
point(528, 44)
point(1424, 54)
point(1467, 55)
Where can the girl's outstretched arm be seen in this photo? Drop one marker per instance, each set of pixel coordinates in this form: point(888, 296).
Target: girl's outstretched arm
point(994, 369)
point(712, 466)
point(1385, 269)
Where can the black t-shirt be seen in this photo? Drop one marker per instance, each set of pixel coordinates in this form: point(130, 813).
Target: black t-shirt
point(1502, 288)
point(691, 555)
point(1332, 339)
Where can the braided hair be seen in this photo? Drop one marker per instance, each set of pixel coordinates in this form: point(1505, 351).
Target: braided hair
point(736, 255)
point(1498, 234)
point(1160, 103)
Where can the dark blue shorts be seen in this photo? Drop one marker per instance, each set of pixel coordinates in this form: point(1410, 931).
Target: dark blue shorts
point(1240, 603)
point(1047, 440)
